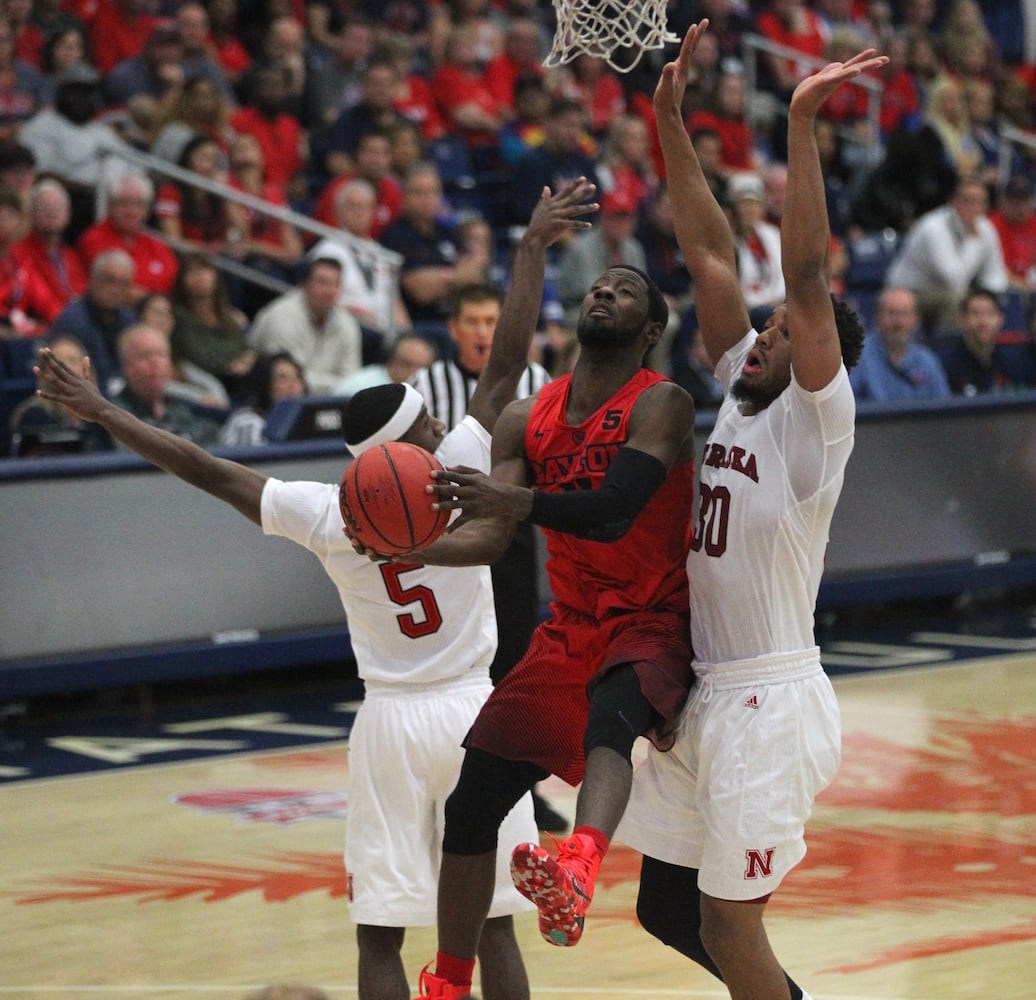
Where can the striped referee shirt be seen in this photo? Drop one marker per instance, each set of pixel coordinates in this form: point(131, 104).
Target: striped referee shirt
point(447, 388)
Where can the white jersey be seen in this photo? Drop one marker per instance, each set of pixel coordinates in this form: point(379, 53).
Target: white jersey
point(768, 486)
point(408, 623)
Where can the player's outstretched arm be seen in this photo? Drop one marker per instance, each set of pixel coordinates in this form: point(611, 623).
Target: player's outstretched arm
point(816, 353)
point(702, 229)
point(554, 215)
point(235, 484)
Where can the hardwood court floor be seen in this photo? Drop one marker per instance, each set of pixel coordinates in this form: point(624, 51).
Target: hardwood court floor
point(203, 876)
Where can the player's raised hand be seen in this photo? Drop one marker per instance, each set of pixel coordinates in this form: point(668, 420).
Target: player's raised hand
point(75, 392)
point(672, 84)
point(811, 93)
point(561, 213)
point(477, 495)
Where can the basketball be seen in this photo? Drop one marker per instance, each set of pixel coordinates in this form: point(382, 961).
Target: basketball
point(383, 499)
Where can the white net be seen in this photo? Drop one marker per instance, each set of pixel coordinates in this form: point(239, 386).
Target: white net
point(619, 33)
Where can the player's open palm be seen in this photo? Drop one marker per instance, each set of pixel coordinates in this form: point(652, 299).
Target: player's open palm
point(557, 214)
point(672, 84)
point(59, 384)
point(811, 93)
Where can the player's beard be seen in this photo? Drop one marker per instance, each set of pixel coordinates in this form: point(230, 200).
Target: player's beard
point(757, 396)
point(590, 332)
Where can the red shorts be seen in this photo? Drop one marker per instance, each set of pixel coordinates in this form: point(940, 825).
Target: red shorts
point(538, 711)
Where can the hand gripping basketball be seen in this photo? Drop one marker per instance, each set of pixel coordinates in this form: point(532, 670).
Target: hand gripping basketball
point(383, 500)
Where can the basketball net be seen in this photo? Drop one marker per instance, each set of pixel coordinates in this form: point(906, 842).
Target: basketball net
point(603, 28)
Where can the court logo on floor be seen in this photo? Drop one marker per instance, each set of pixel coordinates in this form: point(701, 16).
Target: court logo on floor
point(268, 805)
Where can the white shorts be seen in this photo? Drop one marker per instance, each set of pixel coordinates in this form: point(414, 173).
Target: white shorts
point(404, 758)
point(757, 742)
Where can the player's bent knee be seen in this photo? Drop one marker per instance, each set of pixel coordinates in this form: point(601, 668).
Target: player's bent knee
point(486, 792)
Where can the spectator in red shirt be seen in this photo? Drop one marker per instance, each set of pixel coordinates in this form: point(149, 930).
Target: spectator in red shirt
point(463, 97)
point(119, 31)
point(792, 24)
point(44, 249)
point(186, 213)
point(523, 53)
point(129, 203)
point(265, 243)
point(373, 163)
point(279, 134)
point(28, 39)
point(900, 100)
point(27, 305)
point(1015, 222)
point(232, 57)
point(728, 118)
point(590, 81)
point(413, 97)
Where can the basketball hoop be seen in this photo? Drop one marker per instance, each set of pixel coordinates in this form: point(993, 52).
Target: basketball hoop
point(603, 28)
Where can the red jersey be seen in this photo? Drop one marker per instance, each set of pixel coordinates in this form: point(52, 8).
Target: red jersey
point(646, 569)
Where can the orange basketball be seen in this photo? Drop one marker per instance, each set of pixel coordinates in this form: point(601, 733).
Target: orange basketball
point(383, 499)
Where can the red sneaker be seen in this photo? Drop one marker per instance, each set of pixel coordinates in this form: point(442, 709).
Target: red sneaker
point(432, 987)
point(560, 887)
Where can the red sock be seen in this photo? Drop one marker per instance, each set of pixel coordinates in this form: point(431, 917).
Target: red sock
point(600, 840)
point(457, 971)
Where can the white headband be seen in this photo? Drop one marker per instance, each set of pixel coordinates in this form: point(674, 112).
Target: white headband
point(402, 420)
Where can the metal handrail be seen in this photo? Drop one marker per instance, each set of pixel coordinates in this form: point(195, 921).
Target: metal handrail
point(156, 165)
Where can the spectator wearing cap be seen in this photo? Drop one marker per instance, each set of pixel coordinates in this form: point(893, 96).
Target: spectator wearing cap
point(119, 30)
point(67, 142)
point(758, 246)
point(1014, 219)
point(25, 89)
point(611, 242)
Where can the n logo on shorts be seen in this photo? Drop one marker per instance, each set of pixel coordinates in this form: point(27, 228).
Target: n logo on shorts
point(759, 864)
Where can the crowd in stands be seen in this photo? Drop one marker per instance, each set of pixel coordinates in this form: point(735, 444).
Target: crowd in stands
point(428, 128)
